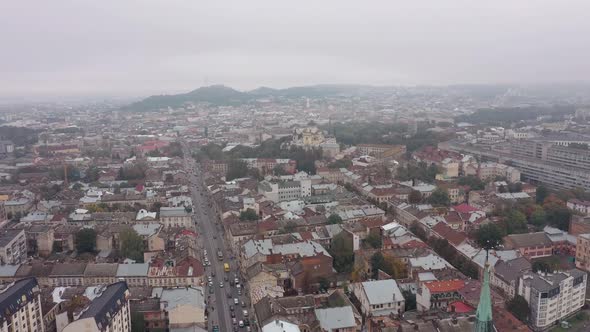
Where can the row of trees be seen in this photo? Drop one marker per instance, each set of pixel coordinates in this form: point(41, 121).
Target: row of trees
point(420, 171)
point(132, 245)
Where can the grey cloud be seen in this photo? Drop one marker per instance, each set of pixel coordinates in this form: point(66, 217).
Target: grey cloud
point(141, 47)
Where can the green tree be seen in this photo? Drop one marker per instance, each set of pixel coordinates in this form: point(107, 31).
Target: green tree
point(334, 219)
point(342, 253)
point(519, 307)
point(132, 245)
point(538, 217)
point(137, 322)
point(489, 236)
point(473, 182)
point(377, 263)
point(515, 222)
point(541, 266)
point(374, 240)
point(278, 170)
point(86, 240)
point(249, 214)
point(439, 197)
point(541, 194)
point(236, 169)
point(415, 197)
point(410, 300)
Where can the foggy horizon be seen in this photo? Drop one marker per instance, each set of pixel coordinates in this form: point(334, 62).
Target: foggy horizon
point(67, 48)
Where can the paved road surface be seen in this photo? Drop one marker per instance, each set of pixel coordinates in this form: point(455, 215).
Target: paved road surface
point(211, 236)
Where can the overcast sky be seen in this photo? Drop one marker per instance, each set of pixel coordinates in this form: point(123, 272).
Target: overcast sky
point(128, 47)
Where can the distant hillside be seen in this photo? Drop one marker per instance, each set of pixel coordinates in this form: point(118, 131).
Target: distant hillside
point(215, 95)
point(220, 95)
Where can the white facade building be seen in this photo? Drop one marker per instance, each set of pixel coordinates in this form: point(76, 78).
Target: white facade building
point(553, 297)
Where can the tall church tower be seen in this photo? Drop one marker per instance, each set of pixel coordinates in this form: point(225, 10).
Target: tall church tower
point(483, 315)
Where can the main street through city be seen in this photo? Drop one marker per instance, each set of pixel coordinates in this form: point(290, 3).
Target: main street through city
point(219, 299)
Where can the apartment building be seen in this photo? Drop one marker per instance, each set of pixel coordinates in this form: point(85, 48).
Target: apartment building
point(285, 190)
point(580, 206)
point(109, 312)
point(379, 298)
point(21, 304)
point(557, 172)
point(175, 217)
point(381, 150)
point(530, 245)
point(489, 171)
point(583, 252)
point(13, 246)
point(553, 296)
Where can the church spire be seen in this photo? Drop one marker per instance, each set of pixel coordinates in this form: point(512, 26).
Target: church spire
point(484, 321)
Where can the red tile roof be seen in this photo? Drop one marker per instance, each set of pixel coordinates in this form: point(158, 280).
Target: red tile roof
point(445, 286)
point(464, 208)
point(460, 307)
point(448, 233)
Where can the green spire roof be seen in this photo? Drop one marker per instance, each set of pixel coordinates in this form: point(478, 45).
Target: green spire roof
point(484, 308)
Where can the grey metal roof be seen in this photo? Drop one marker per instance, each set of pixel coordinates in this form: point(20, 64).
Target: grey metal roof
point(9, 235)
point(529, 240)
point(10, 298)
point(8, 270)
point(335, 318)
point(101, 270)
point(191, 296)
point(173, 212)
point(511, 270)
point(107, 304)
point(382, 291)
point(133, 270)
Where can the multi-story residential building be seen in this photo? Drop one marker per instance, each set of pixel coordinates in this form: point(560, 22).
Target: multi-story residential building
point(488, 171)
point(558, 167)
point(175, 217)
point(438, 294)
point(185, 307)
point(381, 150)
point(67, 274)
point(553, 296)
point(379, 298)
point(583, 252)
point(109, 312)
point(530, 245)
point(13, 246)
point(136, 275)
point(267, 165)
point(18, 205)
point(579, 225)
point(100, 274)
point(580, 206)
point(21, 305)
point(506, 274)
point(285, 190)
point(338, 319)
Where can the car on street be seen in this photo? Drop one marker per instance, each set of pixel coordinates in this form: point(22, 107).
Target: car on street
point(233, 314)
point(231, 308)
point(234, 321)
point(236, 301)
point(241, 324)
point(221, 284)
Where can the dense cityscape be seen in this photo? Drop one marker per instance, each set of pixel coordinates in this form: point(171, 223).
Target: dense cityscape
point(320, 208)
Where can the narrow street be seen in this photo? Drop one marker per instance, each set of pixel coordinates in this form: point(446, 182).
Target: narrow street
point(220, 300)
